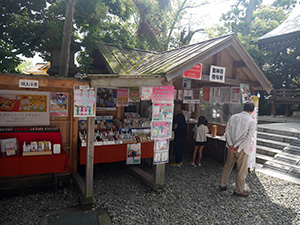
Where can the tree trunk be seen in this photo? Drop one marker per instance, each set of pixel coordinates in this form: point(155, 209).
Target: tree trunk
point(66, 43)
point(248, 17)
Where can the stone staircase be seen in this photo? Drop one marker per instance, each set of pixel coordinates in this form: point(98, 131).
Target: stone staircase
point(278, 152)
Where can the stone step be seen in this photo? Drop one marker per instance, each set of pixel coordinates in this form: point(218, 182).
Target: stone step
point(276, 131)
point(287, 159)
point(271, 143)
point(292, 150)
point(267, 150)
point(276, 137)
point(284, 168)
point(261, 159)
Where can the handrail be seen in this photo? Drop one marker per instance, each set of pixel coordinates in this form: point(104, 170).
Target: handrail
point(286, 94)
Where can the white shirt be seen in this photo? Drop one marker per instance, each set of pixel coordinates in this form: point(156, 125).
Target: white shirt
point(239, 131)
point(200, 133)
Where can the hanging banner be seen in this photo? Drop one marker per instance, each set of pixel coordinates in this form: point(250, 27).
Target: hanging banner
point(252, 156)
point(206, 94)
point(161, 151)
point(163, 94)
point(235, 96)
point(216, 95)
point(194, 73)
point(24, 108)
point(162, 111)
point(133, 154)
point(58, 104)
point(161, 129)
point(225, 94)
point(106, 99)
point(180, 95)
point(217, 74)
point(122, 97)
point(245, 91)
point(84, 101)
point(186, 83)
point(134, 94)
point(146, 93)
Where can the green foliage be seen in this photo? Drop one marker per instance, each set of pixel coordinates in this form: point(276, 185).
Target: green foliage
point(24, 66)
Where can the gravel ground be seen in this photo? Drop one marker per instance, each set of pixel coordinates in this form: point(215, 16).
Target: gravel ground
point(190, 197)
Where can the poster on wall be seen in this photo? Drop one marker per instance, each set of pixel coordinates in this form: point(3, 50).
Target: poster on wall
point(163, 94)
point(217, 74)
point(58, 104)
point(245, 91)
point(161, 151)
point(191, 96)
point(133, 154)
point(162, 111)
point(225, 94)
point(252, 156)
point(194, 73)
point(161, 129)
point(206, 94)
point(84, 101)
point(180, 95)
point(146, 93)
point(186, 83)
point(134, 94)
point(216, 95)
point(24, 108)
point(106, 99)
point(122, 97)
point(235, 96)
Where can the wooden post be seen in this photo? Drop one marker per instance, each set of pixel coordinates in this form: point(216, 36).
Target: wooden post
point(273, 110)
point(159, 176)
point(89, 166)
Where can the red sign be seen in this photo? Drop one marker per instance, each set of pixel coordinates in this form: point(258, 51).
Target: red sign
point(194, 73)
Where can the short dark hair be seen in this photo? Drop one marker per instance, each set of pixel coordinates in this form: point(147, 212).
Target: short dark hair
point(248, 106)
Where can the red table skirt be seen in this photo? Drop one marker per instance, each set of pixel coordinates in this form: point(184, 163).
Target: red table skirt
point(29, 165)
point(115, 153)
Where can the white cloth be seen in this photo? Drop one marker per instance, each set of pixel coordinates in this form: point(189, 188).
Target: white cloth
point(200, 133)
point(239, 131)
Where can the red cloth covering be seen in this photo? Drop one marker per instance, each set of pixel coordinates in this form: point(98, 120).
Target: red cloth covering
point(115, 153)
point(29, 165)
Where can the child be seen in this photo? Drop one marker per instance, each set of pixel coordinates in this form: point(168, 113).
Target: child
point(200, 131)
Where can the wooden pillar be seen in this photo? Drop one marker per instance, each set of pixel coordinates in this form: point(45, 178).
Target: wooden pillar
point(89, 166)
point(273, 110)
point(159, 176)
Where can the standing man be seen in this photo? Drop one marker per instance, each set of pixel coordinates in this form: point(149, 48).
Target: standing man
point(239, 132)
point(180, 131)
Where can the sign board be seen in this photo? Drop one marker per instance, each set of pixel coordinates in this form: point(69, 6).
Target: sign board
point(194, 73)
point(217, 74)
point(28, 83)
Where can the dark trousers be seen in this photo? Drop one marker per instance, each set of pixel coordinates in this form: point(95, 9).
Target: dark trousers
point(178, 142)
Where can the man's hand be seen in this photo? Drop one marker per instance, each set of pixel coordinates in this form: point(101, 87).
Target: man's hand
point(233, 149)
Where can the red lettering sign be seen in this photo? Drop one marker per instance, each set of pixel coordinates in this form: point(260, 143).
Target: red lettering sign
point(194, 73)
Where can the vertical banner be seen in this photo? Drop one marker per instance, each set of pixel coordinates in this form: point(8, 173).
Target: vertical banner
point(58, 104)
point(84, 101)
point(180, 95)
point(225, 94)
point(245, 91)
point(235, 96)
point(206, 94)
point(133, 154)
point(122, 99)
point(252, 156)
point(146, 93)
point(216, 95)
point(161, 151)
point(134, 94)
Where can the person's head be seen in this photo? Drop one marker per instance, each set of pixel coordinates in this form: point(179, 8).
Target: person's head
point(248, 107)
point(202, 120)
point(178, 108)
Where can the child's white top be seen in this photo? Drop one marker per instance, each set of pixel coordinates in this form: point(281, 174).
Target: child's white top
point(200, 133)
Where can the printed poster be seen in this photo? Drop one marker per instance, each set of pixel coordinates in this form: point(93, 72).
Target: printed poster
point(191, 96)
point(58, 104)
point(216, 94)
point(106, 99)
point(252, 156)
point(122, 99)
point(162, 111)
point(235, 95)
point(161, 151)
point(245, 91)
point(163, 94)
point(134, 94)
point(186, 83)
point(194, 73)
point(180, 95)
point(225, 94)
point(161, 129)
point(84, 101)
point(206, 94)
point(146, 93)
point(133, 154)
point(24, 108)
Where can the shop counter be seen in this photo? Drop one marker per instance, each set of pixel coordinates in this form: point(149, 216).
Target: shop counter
point(216, 148)
point(115, 153)
point(31, 165)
